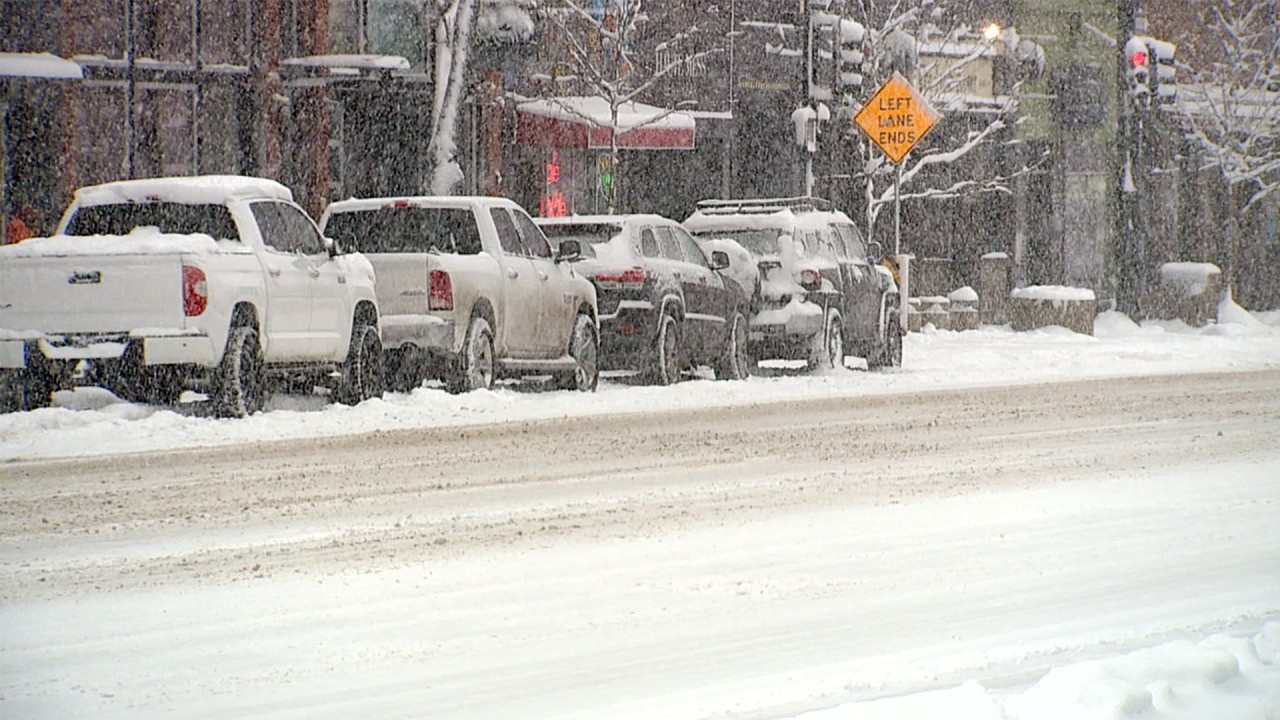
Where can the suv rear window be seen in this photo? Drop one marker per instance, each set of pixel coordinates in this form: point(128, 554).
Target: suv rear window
point(757, 241)
point(586, 235)
point(171, 218)
point(406, 230)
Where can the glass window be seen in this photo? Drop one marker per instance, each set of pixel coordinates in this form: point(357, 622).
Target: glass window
point(535, 243)
point(287, 229)
point(670, 246)
point(408, 229)
point(508, 236)
point(649, 243)
point(173, 218)
point(763, 241)
point(692, 252)
point(853, 241)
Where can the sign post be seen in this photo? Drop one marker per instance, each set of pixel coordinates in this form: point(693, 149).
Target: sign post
point(895, 119)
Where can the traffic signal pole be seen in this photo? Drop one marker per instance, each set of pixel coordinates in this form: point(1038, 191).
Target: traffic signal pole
point(1130, 255)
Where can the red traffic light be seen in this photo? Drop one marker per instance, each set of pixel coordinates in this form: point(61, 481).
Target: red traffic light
point(1138, 59)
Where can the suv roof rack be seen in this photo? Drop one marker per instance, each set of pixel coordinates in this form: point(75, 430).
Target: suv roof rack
point(764, 205)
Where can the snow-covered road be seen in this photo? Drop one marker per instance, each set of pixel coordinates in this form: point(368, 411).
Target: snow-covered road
point(750, 561)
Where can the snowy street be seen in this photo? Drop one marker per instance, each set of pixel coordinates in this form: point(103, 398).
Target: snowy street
point(1015, 525)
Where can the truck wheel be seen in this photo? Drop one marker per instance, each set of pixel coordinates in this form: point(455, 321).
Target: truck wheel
point(584, 347)
point(241, 382)
point(26, 390)
point(828, 347)
point(474, 369)
point(363, 374)
point(736, 362)
point(664, 368)
point(889, 352)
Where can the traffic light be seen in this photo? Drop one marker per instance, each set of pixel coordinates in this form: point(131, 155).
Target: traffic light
point(849, 59)
point(1164, 78)
point(1139, 59)
point(822, 30)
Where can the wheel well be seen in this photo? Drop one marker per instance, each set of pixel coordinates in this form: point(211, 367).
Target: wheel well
point(365, 313)
point(483, 309)
point(673, 305)
point(585, 309)
point(244, 315)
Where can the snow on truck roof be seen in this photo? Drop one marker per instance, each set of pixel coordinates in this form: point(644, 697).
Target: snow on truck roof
point(602, 219)
point(468, 201)
point(193, 190)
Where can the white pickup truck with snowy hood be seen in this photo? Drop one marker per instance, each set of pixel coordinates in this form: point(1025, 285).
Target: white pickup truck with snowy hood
point(212, 283)
point(471, 291)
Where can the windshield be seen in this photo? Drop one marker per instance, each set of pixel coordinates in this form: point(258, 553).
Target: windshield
point(170, 218)
point(587, 235)
point(406, 230)
point(758, 241)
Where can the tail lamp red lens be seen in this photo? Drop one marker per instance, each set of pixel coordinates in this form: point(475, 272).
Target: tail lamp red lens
point(439, 291)
point(632, 279)
point(810, 279)
point(195, 291)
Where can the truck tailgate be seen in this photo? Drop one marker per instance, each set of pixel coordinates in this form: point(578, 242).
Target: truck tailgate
point(402, 282)
point(91, 293)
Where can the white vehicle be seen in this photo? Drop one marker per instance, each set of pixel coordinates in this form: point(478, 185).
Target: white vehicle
point(152, 287)
point(822, 289)
point(471, 291)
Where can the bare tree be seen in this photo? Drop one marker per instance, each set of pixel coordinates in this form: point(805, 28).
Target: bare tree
point(455, 19)
point(605, 58)
point(905, 37)
point(1233, 103)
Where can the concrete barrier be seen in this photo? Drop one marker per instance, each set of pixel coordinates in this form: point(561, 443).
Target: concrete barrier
point(1040, 306)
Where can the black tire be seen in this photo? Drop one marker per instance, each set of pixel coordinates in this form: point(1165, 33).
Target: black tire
point(889, 351)
point(828, 347)
point(584, 347)
point(22, 390)
point(664, 362)
point(363, 373)
point(475, 368)
point(736, 362)
point(241, 382)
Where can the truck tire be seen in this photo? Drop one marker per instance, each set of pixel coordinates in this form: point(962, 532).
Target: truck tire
point(584, 347)
point(363, 373)
point(889, 351)
point(241, 387)
point(475, 367)
point(664, 363)
point(736, 362)
point(828, 346)
point(26, 390)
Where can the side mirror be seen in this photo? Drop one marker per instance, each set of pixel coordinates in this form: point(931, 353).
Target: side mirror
point(332, 246)
point(719, 260)
point(569, 251)
point(875, 253)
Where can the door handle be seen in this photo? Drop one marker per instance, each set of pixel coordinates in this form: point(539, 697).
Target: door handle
point(542, 276)
point(314, 273)
point(274, 272)
point(513, 273)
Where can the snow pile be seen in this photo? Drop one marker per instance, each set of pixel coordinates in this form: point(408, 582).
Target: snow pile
point(146, 240)
point(1221, 677)
point(1190, 278)
point(1056, 293)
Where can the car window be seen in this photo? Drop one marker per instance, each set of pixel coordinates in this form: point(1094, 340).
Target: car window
point(287, 229)
point(692, 252)
point(534, 242)
point(588, 236)
point(670, 246)
point(508, 236)
point(405, 228)
point(762, 241)
point(853, 241)
point(829, 244)
point(176, 218)
point(649, 243)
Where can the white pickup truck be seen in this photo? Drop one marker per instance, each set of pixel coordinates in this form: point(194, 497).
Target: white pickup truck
point(470, 290)
point(211, 283)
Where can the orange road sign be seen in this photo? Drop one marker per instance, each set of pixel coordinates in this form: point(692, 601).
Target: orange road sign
point(896, 118)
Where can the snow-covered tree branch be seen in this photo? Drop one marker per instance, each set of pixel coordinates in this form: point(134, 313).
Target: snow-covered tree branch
point(1233, 104)
point(455, 20)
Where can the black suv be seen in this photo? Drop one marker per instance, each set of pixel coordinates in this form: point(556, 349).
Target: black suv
point(821, 291)
point(665, 307)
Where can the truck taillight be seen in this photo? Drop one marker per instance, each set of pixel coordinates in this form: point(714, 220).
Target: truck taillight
point(439, 291)
point(632, 279)
point(810, 279)
point(195, 291)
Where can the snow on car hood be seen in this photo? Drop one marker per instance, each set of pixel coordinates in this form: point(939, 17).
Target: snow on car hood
point(141, 241)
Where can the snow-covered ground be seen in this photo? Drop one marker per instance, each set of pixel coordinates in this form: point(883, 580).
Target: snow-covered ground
point(1235, 676)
